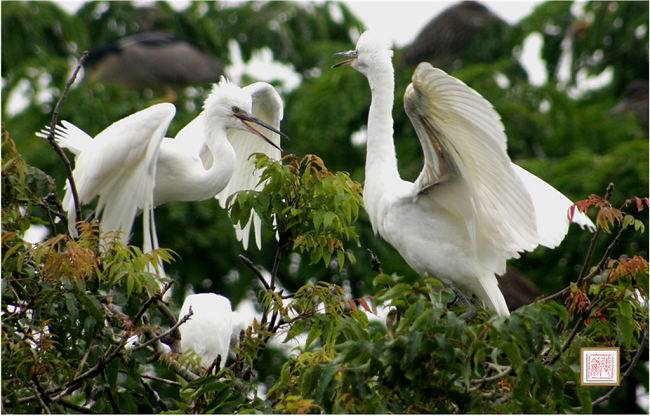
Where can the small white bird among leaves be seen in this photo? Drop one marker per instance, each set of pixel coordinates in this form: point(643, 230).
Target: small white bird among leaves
point(471, 208)
point(207, 332)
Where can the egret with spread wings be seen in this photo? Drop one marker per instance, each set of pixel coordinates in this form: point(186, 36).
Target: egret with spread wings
point(132, 169)
point(471, 208)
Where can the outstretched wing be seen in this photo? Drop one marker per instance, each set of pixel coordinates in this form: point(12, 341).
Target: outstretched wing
point(551, 209)
point(119, 167)
point(462, 135)
point(267, 106)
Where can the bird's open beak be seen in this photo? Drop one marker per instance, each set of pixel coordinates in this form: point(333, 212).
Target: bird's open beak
point(349, 54)
point(247, 117)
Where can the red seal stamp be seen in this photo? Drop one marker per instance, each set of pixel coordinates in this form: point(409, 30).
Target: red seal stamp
point(599, 366)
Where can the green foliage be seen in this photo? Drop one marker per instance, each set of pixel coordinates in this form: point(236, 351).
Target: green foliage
point(308, 206)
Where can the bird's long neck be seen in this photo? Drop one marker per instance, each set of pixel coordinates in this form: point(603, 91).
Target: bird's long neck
point(218, 158)
point(381, 160)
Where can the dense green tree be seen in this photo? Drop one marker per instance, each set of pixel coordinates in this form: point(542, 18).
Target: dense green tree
point(67, 306)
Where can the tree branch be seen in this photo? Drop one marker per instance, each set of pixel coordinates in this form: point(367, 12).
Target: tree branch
point(255, 270)
point(40, 394)
point(166, 333)
point(155, 395)
point(57, 148)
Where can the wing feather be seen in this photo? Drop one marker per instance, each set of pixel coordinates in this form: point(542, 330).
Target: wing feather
point(551, 209)
point(267, 106)
point(461, 134)
point(120, 168)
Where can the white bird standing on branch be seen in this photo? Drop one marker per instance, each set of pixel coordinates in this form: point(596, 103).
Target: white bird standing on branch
point(132, 168)
point(207, 332)
point(471, 208)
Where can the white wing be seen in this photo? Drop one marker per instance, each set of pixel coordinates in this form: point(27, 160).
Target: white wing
point(461, 134)
point(119, 167)
point(68, 136)
point(551, 209)
point(267, 106)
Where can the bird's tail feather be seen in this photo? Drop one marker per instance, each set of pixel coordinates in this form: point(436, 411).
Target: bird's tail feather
point(488, 291)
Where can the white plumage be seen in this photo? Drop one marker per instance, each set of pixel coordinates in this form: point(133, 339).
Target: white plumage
point(471, 208)
point(118, 166)
point(208, 330)
point(133, 168)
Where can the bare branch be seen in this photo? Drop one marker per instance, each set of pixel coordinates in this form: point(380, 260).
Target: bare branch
point(40, 394)
point(50, 135)
point(585, 265)
point(166, 333)
point(255, 270)
point(155, 395)
point(162, 380)
point(149, 301)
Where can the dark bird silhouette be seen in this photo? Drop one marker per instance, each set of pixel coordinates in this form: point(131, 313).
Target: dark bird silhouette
point(152, 60)
point(465, 30)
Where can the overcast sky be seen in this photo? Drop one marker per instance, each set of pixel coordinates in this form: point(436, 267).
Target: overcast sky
point(400, 20)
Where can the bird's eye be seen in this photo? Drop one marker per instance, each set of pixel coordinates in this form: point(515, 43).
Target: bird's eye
point(235, 109)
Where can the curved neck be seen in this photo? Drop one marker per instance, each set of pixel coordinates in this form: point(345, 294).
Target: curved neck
point(381, 160)
point(183, 175)
point(218, 160)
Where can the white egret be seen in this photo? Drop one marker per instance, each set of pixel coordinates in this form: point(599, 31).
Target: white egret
point(196, 165)
point(471, 208)
point(207, 332)
point(187, 170)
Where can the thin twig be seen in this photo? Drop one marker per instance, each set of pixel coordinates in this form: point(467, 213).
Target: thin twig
point(40, 394)
point(174, 338)
point(57, 148)
point(109, 395)
point(173, 364)
point(75, 407)
point(149, 301)
point(585, 265)
point(255, 270)
point(276, 265)
point(162, 380)
point(155, 395)
point(491, 378)
point(166, 333)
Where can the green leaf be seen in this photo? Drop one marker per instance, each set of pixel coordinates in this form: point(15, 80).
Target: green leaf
point(93, 306)
point(585, 399)
point(625, 327)
point(314, 332)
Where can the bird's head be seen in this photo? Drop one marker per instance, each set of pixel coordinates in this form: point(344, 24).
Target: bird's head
point(230, 107)
point(372, 48)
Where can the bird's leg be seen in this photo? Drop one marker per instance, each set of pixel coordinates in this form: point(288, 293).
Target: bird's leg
point(471, 309)
point(375, 262)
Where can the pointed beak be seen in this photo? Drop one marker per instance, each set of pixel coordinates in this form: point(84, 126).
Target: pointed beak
point(349, 54)
point(247, 118)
